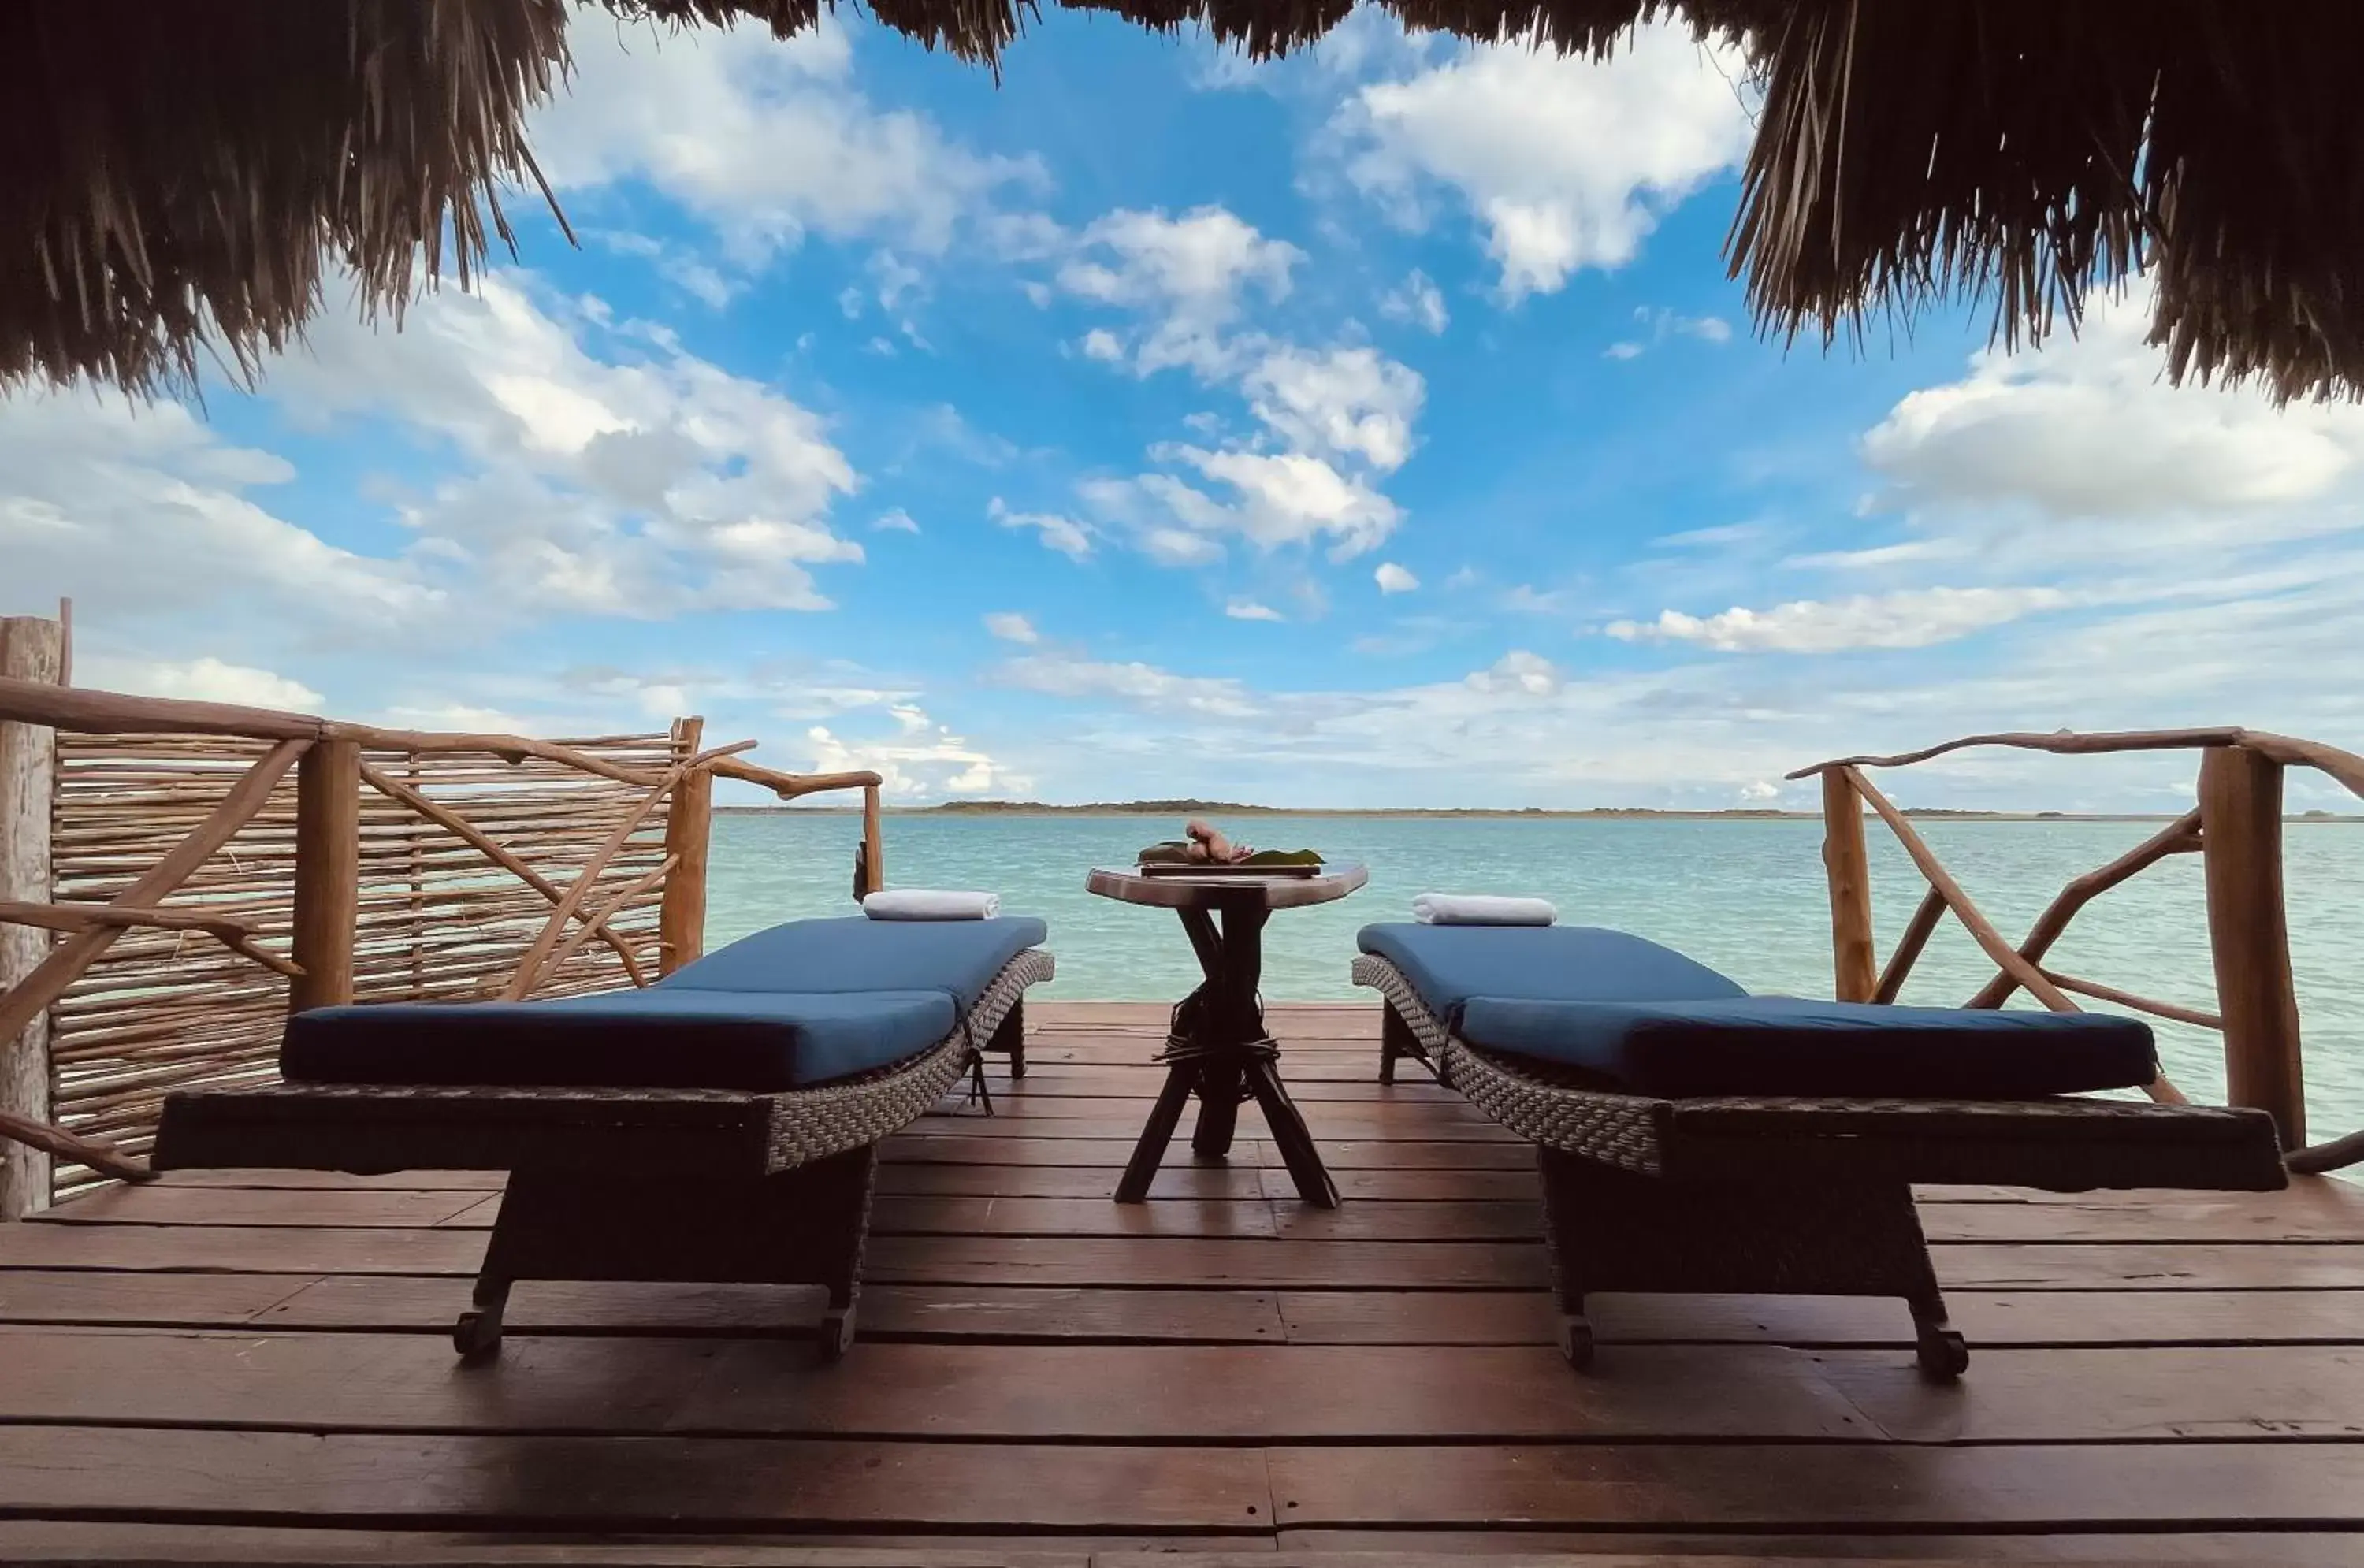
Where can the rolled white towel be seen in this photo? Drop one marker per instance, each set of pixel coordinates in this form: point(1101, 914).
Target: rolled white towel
point(1481, 910)
point(930, 904)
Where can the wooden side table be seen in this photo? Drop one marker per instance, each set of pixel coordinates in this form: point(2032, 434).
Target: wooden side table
point(1218, 1049)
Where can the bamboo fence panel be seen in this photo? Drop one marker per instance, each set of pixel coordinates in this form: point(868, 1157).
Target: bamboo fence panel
point(436, 919)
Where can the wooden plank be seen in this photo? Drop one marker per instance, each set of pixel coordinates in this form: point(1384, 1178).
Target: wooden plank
point(1430, 1118)
point(1123, 1118)
point(147, 1545)
point(623, 1484)
point(1243, 1183)
point(1258, 1392)
point(923, 1142)
point(1069, 1216)
point(1659, 1549)
point(400, 1180)
point(1850, 1489)
point(426, 1305)
point(2166, 1218)
point(1320, 1082)
point(429, 1304)
point(1165, 1393)
point(1988, 1317)
point(2116, 1394)
point(233, 1205)
point(2309, 1265)
point(1248, 1264)
point(242, 1249)
point(79, 1296)
point(1420, 1185)
point(1381, 1221)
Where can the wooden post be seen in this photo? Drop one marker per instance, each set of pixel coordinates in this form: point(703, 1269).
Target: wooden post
point(874, 846)
point(31, 649)
point(327, 873)
point(1849, 866)
point(2241, 850)
point(689, 828)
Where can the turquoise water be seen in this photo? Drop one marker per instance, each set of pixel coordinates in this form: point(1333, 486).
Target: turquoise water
point(1744, 896)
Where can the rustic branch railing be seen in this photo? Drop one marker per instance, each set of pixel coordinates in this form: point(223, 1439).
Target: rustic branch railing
point(2236, 829)
point(546, 867)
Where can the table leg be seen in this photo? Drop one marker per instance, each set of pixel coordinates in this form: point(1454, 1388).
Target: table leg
point(1163, 1117)
point(1221, 1053)
point(1218, 1109)
point(1289, 1131)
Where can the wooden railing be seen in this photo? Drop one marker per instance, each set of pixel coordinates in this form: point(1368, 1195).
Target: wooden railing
point(2236, 829)
point(312, 863)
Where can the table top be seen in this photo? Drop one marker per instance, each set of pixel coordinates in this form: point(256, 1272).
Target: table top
point(1228, 890)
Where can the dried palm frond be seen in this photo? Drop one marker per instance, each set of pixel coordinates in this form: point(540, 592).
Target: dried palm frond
point(187, 175)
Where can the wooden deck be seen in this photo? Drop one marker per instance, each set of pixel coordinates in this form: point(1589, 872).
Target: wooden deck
point(255, 1365)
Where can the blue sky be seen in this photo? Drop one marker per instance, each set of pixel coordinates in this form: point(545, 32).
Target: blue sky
point(1374, 429)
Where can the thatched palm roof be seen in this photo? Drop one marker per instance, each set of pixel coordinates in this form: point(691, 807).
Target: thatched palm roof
point(184, 175)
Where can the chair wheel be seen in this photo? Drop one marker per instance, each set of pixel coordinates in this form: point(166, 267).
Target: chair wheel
point(1576, 1341)
point(477, 1334)
point(1943, 1355)
point(836, 1335)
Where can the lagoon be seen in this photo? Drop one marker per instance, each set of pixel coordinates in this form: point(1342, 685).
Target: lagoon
point(1744, 895)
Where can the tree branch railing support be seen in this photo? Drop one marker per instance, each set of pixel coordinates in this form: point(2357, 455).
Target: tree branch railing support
point(2236, 829)
point(328, 756)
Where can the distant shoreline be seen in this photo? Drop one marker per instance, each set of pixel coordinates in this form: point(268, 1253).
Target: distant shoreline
point(1178, 808)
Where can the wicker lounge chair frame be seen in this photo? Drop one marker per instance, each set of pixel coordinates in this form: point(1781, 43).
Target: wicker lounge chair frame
point(1796, 1197)
point(706, 1185)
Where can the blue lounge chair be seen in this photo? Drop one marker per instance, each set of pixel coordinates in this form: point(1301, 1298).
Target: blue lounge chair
point(718, 1126)
point(1693, 1137)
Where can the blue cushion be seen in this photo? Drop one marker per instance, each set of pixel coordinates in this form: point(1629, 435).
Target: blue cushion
point(662, 1037)
point(960, 957)
point(1449, 964)
point(799, 1004)
point(1784, 1045)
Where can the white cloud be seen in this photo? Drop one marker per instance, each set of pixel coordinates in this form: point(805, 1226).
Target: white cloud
point(1284, 498)
point(693, 275)
point(1347, 403)
point(2091, 428)
point(1340, 417)
point(1567, 161)
point(1914, 617)
point(764, 140)
point(1663, 324)
point(1068, 536)
point(1179, 547)
point(640, 486)
point(1134, 685)
point(1394, 579)
point(144, 514)
point(1760, 791)
point(1517, 673)
point(924, 760)
point(895, 521)
point(824, 701)
point(1251, 609)
point(201, 680)
point(1011, 627)
point(1188, 274)
point(1418, 301)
